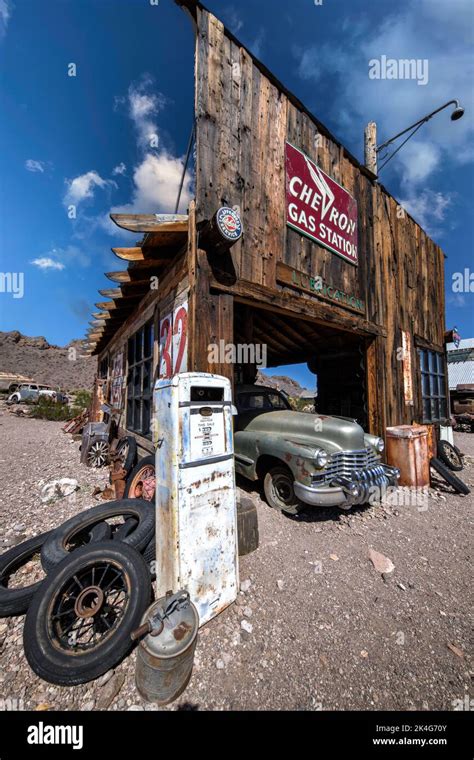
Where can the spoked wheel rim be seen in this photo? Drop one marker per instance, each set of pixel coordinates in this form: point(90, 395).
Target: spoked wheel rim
point(89, 607)
point(143, 484)
point(98, 454)
point(122, 450)
point(282, 489)
point(452, 456)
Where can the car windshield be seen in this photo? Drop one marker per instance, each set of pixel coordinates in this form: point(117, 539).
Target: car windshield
point(261, 401)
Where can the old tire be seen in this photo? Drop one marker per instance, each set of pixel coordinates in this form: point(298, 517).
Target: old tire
point(127, 450)
point(279, 491)
point(75, 629)
point(448, 476)
point(140, 480)
point(55, 549)
point(247, 527)
point(15, 601)
point(450, 456)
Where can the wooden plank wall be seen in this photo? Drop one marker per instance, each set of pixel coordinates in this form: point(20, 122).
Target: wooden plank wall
point(243, 121)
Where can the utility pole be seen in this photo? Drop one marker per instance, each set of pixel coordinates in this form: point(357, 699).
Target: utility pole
point(370, 146)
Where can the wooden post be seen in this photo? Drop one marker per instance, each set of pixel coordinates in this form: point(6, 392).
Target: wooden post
point(370, 145)
point(211, 314)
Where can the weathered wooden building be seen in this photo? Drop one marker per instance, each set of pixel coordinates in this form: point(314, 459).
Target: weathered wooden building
point(329, 270)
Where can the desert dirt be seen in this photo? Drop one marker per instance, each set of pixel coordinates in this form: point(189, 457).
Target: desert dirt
point(323, 630)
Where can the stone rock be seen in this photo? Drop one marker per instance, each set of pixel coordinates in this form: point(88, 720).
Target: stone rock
point(245, 586)
point(281, 585)
point(57, 489)
point(247, 611)
point(246, 626)
point(381, 563)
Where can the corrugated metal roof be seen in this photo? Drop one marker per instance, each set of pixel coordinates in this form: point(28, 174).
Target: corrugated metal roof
point(460, 373)
point(465, 343)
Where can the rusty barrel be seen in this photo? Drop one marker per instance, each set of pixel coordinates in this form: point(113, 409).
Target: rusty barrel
point(165, 658)
point(407, 449)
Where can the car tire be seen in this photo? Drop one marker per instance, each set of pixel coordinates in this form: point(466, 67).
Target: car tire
point(55, 549)
point(15, 601)
point(449, 477)
point(279, 491)
point(84, 586)
point(134, 485)
point(450, 456)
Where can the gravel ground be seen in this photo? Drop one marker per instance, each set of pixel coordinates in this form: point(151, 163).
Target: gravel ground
point(325, 630)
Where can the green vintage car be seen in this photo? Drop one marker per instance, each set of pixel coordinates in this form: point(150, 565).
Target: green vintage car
point(305, 459)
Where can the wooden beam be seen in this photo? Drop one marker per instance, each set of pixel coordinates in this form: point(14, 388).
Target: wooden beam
point(129, 254)
point(151, 222)
point(122, 276)
point(111, 293)
point(101, 315)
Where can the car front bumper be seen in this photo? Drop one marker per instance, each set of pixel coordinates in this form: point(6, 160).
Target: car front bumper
point(345, 492)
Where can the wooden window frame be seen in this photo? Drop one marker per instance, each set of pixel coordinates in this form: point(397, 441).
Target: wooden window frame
point(441, 375)
point(140, 370)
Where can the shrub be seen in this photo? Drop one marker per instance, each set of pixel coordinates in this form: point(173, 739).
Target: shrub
point(48, 409)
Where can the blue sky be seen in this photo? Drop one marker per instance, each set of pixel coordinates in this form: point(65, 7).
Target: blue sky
point(84, 140)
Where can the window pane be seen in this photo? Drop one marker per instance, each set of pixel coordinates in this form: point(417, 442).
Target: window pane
point(146, 416)
point(443, 408)
point(434, 409)
point(137, 380)
point(433, 385)
point(425, 385)
point(423, 361)
point(148, 340)
point(131, 350)
point(147, 378)
point(426, 411)
point(130, 414)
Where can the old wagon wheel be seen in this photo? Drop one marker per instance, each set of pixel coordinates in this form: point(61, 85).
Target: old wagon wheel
point(97, 454)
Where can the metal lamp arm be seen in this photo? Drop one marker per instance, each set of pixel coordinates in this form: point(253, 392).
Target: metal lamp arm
point(416, 124)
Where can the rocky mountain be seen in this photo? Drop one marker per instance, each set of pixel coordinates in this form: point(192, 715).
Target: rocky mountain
point(282, 383)
point(46, 363)
point(55, 365)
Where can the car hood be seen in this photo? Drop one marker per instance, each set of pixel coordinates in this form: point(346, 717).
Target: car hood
point(331, 433)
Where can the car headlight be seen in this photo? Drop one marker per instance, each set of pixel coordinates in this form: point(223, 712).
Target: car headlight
point(379, 445)
point(321, 458)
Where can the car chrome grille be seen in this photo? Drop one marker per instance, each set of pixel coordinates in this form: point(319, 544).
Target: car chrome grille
point(347, 463)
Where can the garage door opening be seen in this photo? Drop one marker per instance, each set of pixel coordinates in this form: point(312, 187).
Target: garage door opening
point(336, 357)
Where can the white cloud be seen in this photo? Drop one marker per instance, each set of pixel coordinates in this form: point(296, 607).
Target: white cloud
point(82, 187)
point(156, 185)
point(61, 258)
point(143, 106)
point(119, 169)
point(428, 208)
point(157, 175)
point(437, 31)
point(45, 263)
point(5, 13)
point(34, 166)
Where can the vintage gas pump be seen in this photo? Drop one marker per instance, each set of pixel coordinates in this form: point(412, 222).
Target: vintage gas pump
point(196, 531)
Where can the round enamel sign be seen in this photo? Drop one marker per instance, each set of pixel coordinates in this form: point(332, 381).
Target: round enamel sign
point(229, 224)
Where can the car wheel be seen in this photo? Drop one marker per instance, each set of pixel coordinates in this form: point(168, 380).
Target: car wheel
point(141, 481)
point(15, 600)
point(279, 491)
point(450, 455)
point(65, 538)
point(97, 454)
point(79, 626)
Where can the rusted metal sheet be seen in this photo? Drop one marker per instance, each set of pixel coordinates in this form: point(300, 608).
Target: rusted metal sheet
point(196, 526)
